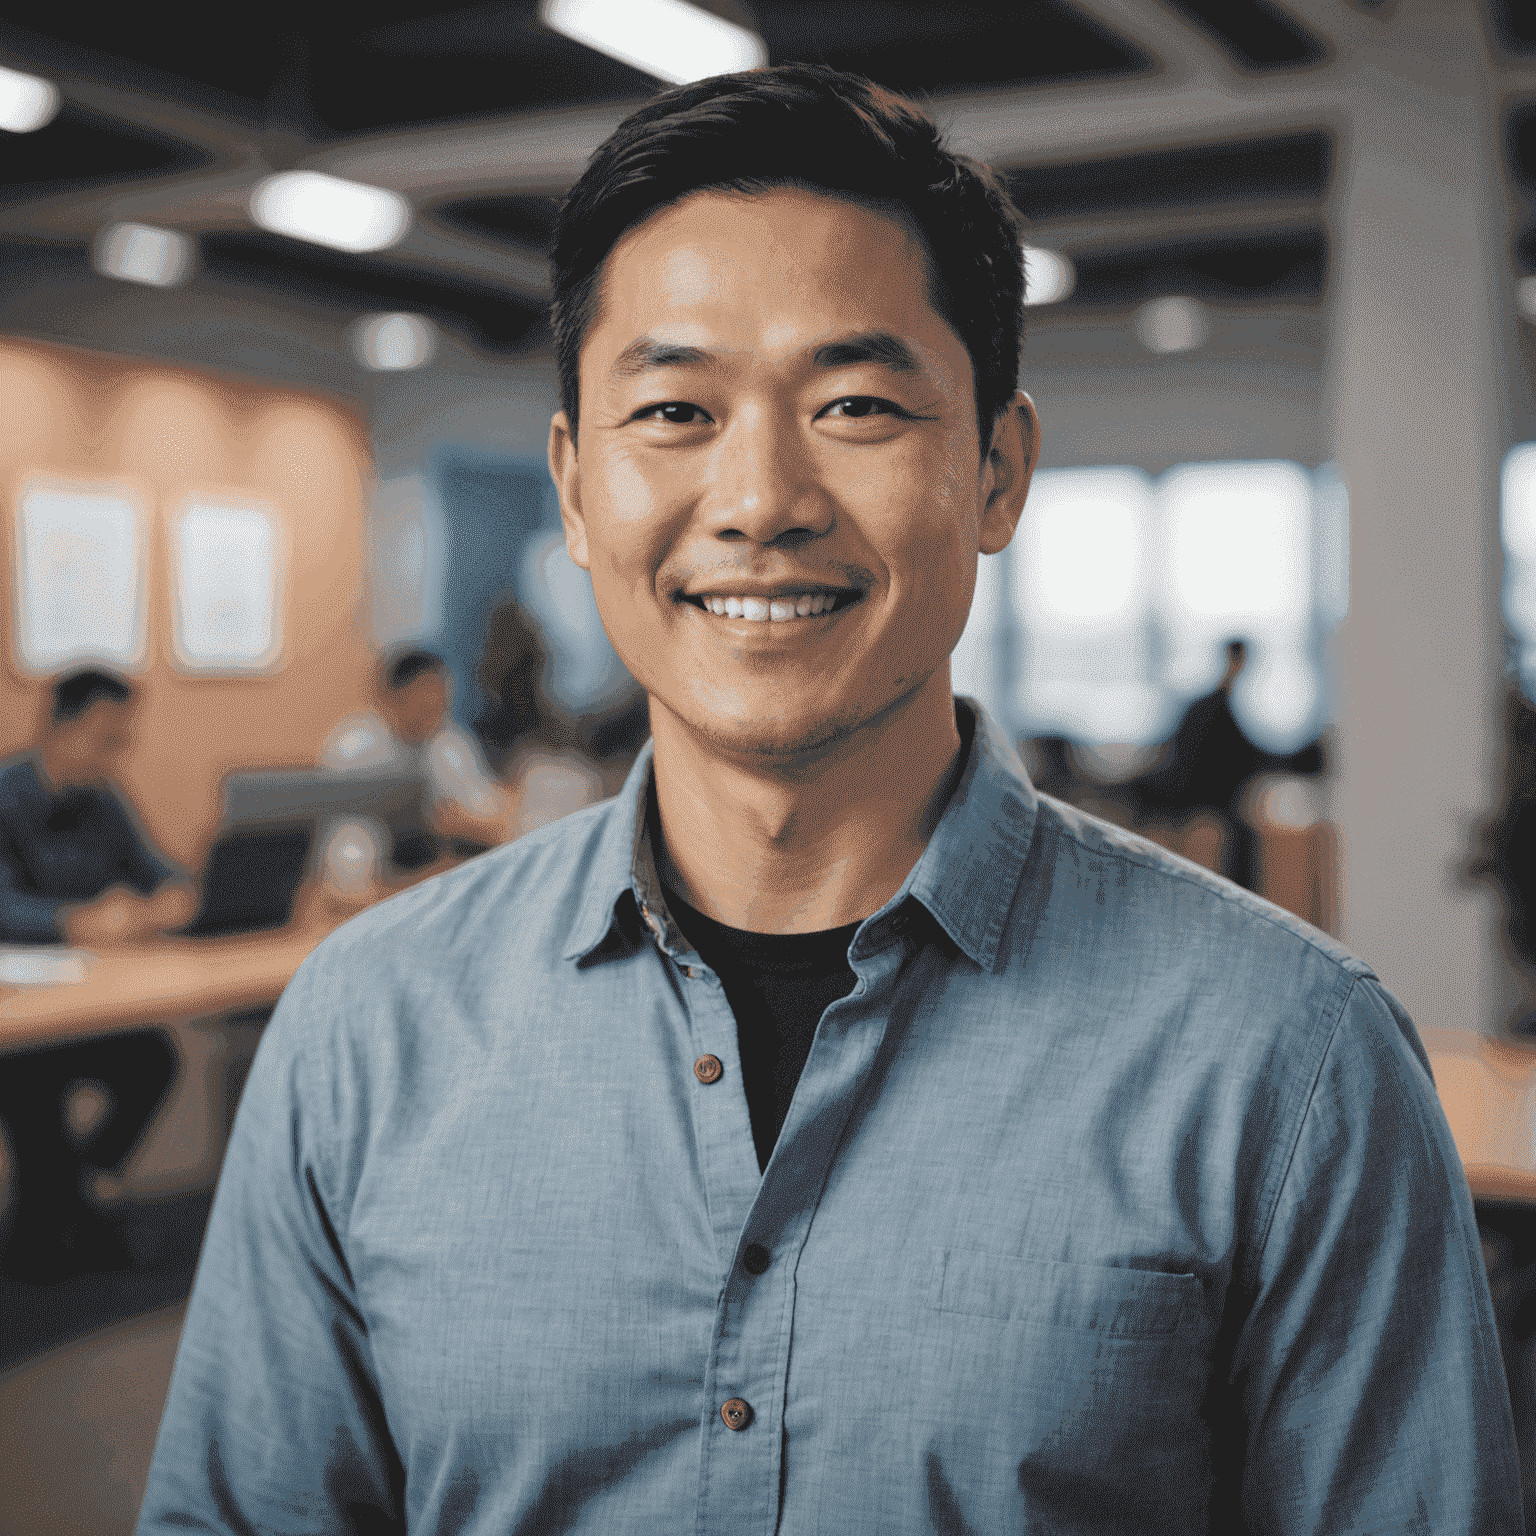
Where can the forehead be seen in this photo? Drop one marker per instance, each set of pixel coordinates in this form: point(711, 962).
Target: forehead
point(769, 267)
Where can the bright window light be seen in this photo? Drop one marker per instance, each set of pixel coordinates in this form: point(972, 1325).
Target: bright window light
point(1172, 324)
point(1049, 276)
point(390, 343)
point(670, 39)
point(139, 253)
point(26, 102)
point(1239, 540)
point(1517, 525)
point(346, 215)
point(1081, 554)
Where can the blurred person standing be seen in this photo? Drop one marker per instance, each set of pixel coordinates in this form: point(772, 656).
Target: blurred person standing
point(414, 734)
point(76, 868)
point(1210, 763)
point(537, 747)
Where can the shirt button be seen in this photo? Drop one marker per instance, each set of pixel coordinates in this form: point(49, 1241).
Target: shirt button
point(737, 1413)
point(708, 1069)
point(756, 1259)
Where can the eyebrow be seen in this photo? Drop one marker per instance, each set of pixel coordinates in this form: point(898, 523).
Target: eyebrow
point(879, 347)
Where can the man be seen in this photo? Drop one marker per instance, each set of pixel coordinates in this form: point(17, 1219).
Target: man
point(74, 867)
point(416, 735)
point(829, 1134)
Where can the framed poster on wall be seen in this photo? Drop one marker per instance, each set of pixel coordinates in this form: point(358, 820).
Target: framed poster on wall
point(80, 577)
point(228, 576)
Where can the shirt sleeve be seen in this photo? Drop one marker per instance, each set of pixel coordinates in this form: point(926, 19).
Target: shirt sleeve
point(139, 864)
point(274, 1420)
point(1368, 1377)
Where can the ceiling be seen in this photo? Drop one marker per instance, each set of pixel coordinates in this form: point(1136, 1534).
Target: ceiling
point(1169, 145)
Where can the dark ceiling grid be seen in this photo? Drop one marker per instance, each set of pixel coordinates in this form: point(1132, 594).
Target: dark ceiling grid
point(1256, 34)
point(81, 149)
point(1514, 24)
point(1288, 264)
point(1290, 165)
point(1520, 147)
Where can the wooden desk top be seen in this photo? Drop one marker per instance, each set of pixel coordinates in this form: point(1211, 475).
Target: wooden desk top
point(180, 978)
point(176, 978)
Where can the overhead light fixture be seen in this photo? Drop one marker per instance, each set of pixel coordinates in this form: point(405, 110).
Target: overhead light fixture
point(1172, 324)
point(1049, 276)
point(345, 215)
point(1525, 297)
point(392, 343)
point(670, 39)
point(140, 253)
point(26, 102)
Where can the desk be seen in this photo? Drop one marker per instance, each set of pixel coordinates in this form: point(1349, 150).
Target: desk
point(180, 978)
point(175, 978)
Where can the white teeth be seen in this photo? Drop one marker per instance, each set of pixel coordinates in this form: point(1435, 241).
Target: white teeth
point(776, 610)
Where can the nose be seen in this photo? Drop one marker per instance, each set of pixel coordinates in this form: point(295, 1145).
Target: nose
point(764, 486)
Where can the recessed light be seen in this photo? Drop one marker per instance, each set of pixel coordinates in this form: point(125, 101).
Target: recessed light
point(1049, 276)
point(392, 343)
point(140, 253)
point(670, 39)
point(346, 215)
point(1172, 324)
point(26, 102)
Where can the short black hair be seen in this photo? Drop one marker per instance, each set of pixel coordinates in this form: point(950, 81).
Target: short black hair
point(407, 668)
point(803, 125)
point(75, 692)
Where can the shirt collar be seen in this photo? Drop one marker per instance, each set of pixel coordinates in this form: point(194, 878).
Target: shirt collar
point(965, 878)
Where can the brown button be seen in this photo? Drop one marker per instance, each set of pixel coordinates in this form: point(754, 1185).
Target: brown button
point(756, 1259)
point(737, 1413)
point(708, 1069)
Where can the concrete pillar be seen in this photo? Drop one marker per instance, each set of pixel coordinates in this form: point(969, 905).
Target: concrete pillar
point(1416, 394)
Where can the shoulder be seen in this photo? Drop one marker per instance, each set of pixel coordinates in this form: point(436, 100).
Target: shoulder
point(1175, 955)
point(505, 913)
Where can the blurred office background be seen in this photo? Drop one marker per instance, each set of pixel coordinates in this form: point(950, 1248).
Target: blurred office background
point(275, 386)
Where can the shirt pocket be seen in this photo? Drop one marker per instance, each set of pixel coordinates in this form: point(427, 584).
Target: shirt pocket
point(1111, 1302)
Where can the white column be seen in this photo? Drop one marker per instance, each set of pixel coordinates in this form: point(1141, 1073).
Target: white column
point(1416, 394)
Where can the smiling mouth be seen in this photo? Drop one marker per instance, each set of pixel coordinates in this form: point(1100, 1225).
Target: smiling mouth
point(774, 610)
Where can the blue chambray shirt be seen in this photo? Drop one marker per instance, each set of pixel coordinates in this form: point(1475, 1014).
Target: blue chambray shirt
point(1112, 1199)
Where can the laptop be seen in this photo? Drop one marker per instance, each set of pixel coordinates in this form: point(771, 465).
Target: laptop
point(271, 822)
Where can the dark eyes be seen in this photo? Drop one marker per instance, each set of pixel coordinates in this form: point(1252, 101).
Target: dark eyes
point(681, 413)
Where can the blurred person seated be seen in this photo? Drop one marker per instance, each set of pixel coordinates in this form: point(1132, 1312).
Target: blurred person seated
point(536, 745)
point(74, 865)
point(76, 868)
point(1207, 766)
point(469, 810)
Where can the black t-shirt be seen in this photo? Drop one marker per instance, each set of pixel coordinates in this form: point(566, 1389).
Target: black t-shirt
point(778, 986)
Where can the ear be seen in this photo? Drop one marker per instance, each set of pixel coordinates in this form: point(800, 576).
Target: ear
point(1007, 472)
point(564, 472)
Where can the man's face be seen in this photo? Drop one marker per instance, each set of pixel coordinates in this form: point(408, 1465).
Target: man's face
point(421, 707)
point(774, 419)
point(91, 747)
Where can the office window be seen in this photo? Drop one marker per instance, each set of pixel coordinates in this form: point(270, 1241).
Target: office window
point(1109, 611)
point(228, 585)
point(80, 587)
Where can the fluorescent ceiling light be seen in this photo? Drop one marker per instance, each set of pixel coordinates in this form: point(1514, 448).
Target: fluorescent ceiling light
point(670, 39)
point(346, 215)
point(25, 101)
point(139, 253)
point(389, 343)
point(1172, 324)
point(1049, 276)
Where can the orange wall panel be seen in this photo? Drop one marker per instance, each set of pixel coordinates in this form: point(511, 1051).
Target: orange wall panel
point(172, 434)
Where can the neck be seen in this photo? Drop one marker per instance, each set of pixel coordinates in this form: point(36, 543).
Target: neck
point(802, 847)
point(54, 769)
